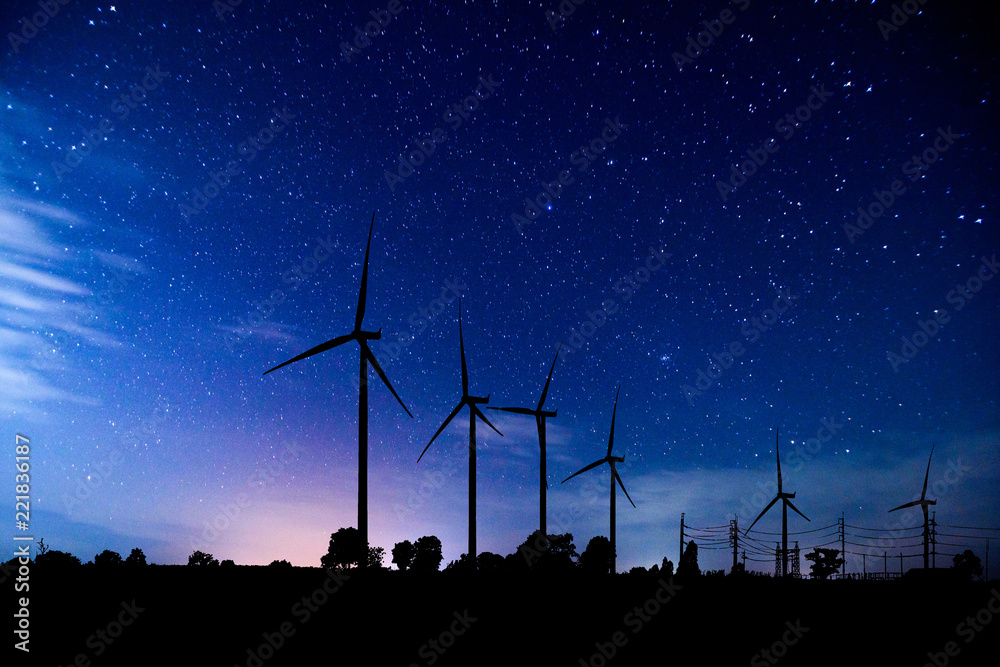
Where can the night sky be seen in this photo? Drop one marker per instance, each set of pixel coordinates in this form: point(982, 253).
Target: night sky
point(185, 201)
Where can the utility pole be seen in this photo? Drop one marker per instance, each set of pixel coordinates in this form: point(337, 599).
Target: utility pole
point(843, 552)
point(680, 555)
point(734, 532)
point(933, 539)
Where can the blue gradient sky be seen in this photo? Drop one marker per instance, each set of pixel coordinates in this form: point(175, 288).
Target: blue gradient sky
point(131, 357)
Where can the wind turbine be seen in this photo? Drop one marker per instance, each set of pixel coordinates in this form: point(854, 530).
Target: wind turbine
point(923, 502)
point(362, 337)
point(472, 402)
point(785, 504)
point(611, 461)
point(540, 416)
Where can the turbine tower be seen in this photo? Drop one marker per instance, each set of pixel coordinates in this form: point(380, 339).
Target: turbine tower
point(362, 337)
point(472, 402)
point(923, 502)
point(786, 503)
point(540, 417)
point(611, 461)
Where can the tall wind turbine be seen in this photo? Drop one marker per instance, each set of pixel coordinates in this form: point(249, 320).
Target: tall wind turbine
point(472, 402)
point(362, 337)
point(611, 461)
point(540, 416)
point(923, 502)
point(785, 504)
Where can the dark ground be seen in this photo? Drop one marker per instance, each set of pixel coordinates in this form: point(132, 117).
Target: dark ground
point(213, 616)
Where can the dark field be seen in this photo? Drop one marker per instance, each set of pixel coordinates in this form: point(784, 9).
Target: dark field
point(252, 616)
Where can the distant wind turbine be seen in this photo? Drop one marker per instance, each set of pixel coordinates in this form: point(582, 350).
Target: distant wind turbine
point(786, 503)
point(611, 461)
point(923, 502)
point(472, 402)
point(362, 337)
point(540, 416)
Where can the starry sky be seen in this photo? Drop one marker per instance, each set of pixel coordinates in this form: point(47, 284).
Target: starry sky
point(748, 215)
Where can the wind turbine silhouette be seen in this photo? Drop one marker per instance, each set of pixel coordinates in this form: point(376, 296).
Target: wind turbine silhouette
point(362, 337)
point(611, 461)
point(472, 402)
point(923, 502)
point(785, 504)
point(540, 416)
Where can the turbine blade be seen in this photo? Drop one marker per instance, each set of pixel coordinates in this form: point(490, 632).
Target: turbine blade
point(769, 506)
point(363, 292)
point(915, 502)
point(322, 347)
point(441, 428)
point(777, 455)
point(611, 438)
point(520, 411)
point(927, 474)
point(366, 351)
point(789, 503)
point(545, 390)
point(617, 477)
point(480, 414)
point(584, 469)
point(461, 347)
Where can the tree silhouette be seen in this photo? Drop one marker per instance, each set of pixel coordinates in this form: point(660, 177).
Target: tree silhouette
point(688, 567)
point(545, 553)
point(376, 556)
point(427, 554)
point(402, 555)
point(136, 558)
point(967, 564)
point(344, 551)
point(57, 559)
point(667, 567)
point(280, 564)
point(596, 558)
point(107, 558)
point(825, 562)
point(200, 558)
point(227, 563)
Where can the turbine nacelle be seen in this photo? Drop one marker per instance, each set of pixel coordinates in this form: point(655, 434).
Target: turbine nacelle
point(367, 335)
point(476, 400)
